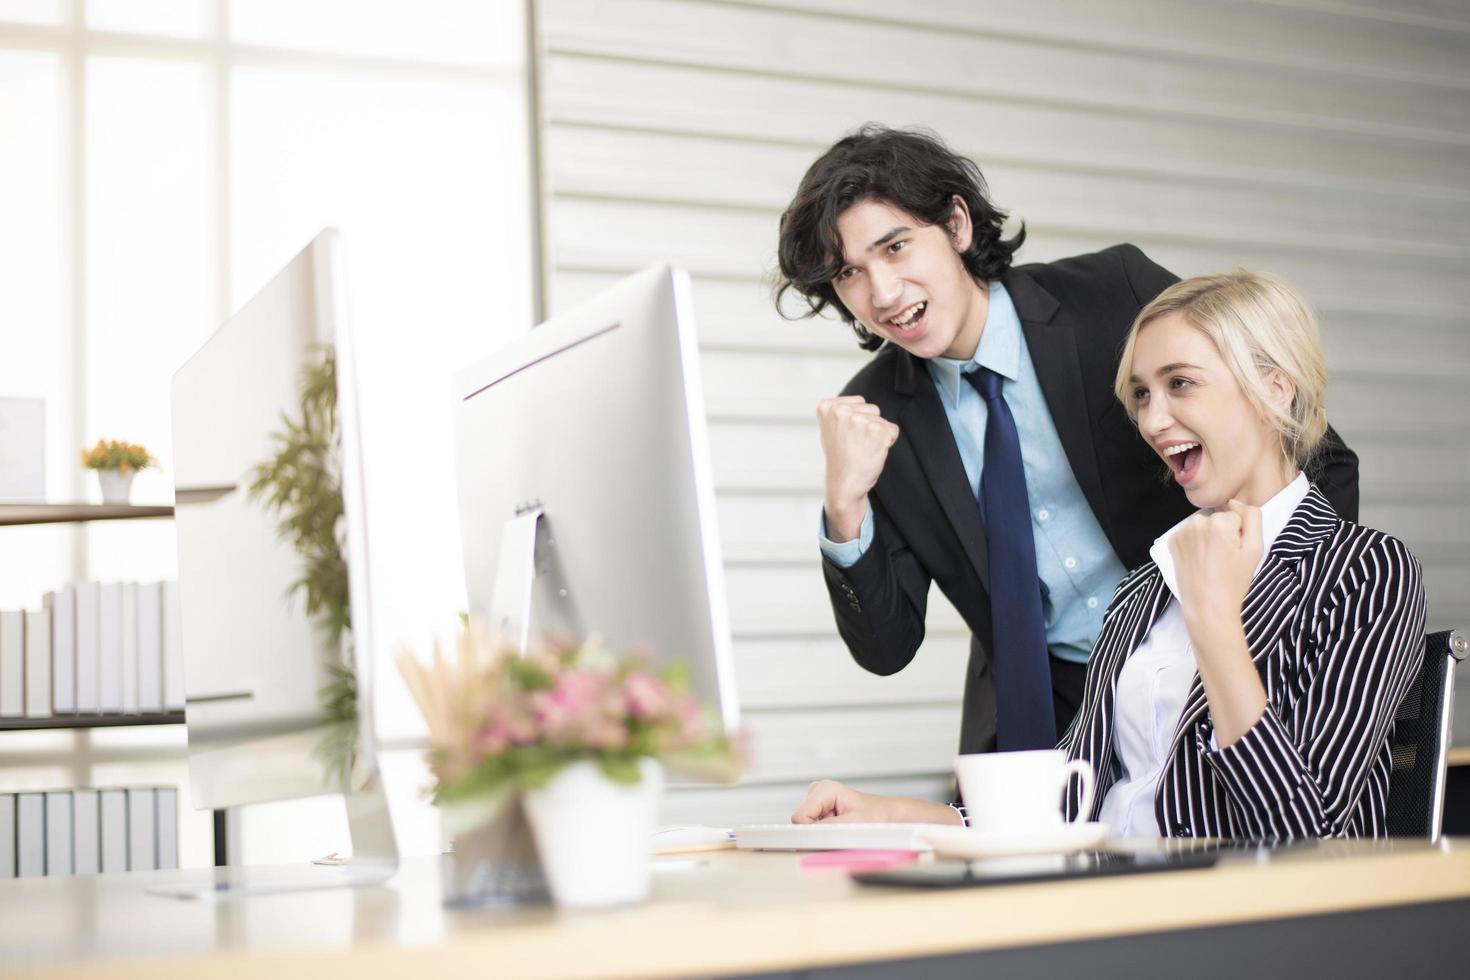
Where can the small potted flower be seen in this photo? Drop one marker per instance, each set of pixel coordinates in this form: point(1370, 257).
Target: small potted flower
point(577, 735)
point(116, 463)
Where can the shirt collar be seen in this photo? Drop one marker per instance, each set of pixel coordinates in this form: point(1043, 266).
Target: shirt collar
point(999, 349)
point(1274, 515)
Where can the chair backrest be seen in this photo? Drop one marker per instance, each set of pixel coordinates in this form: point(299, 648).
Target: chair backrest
point(1421, 740)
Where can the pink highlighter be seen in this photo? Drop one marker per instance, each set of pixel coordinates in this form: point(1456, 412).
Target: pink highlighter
point(859, 860)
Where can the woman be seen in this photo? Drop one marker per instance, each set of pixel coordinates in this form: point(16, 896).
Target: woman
point(1245, 680)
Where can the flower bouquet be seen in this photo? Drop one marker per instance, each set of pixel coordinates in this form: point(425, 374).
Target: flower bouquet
point(579, 734)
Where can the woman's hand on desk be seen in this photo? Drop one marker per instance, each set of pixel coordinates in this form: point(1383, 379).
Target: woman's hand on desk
point(830, 801)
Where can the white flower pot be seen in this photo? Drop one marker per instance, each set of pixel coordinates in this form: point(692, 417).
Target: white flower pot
point(593, 834)
point(116, 486)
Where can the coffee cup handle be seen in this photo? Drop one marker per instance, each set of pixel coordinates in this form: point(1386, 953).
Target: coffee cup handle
point(1082, 769)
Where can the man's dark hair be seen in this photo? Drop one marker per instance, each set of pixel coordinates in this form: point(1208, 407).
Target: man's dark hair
point(910, 169)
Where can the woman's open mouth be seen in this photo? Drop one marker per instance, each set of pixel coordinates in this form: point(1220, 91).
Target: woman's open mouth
point(1184, 460)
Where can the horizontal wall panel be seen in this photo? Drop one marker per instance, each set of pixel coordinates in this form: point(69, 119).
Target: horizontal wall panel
point(1431, 350)
point(739, 384)
point(734, 806)
point(608, 236)
point(785, 673)
point(1430, 414)
point(734, 315)
point(673, 169)
point(778, 527)
point(849, 743)
point(789, 601)
point(755, 110)
point(1304, 37)
point(1366, 281)
point(1448, 590)
point(755, 456)
point(798, 45)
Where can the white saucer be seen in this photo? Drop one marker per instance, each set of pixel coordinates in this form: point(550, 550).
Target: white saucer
point(968, 842)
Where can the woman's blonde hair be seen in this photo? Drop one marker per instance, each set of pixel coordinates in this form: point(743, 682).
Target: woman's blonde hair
point(1259, 325)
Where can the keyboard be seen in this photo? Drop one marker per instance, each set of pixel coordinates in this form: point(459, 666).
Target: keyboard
point(833, 837)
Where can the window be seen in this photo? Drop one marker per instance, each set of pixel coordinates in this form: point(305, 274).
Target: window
point(163, 158)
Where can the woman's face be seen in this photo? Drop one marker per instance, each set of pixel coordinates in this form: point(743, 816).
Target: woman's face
point(1194, 414)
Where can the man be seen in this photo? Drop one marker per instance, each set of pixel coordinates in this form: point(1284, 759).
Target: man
point(982, 447)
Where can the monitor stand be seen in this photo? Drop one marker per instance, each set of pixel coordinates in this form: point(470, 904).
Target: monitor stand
point(374, 860)
point(497, 864)
point(530, 584)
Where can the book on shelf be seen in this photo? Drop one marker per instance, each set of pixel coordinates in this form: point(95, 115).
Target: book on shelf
point(109, 649)
point(38, 664)
point(128, 641)
point(173, 648)
point(150, 647)
point(30, 835)
point(89, 649)
point(142, 830)
point(62, 605)
point(86, 832)
point(113, 812)
point(12, 663)
point(59, 833)
point(168, 827)
point(7, 835)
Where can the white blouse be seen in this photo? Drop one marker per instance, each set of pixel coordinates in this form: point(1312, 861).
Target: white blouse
point(1155, 681)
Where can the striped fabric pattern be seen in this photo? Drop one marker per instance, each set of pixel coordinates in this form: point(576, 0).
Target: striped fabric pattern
point(1334, 621)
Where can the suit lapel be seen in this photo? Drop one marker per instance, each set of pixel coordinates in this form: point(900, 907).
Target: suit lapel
point(1053, 350)
point(1274, 596)
point(926, 427)
point(1140, 600)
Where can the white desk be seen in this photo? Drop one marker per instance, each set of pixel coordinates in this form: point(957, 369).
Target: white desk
point(738, 912)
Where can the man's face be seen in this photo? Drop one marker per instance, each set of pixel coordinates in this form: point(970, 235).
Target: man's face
point(905, 281)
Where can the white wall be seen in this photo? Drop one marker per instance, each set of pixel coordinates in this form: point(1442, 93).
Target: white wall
point(1326, 141)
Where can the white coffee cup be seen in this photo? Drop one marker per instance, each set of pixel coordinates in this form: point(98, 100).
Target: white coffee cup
point(1020, 792)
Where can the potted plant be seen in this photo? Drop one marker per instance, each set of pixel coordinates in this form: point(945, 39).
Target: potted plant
point(578, 735)
point(116, 463)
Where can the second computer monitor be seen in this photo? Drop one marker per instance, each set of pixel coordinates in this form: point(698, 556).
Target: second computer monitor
point(595, 420)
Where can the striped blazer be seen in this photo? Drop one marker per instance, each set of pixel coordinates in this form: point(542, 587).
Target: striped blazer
point(1334, 620)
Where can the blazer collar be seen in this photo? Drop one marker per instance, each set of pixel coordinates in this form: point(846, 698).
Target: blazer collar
point(1033, 303)
point(1310, 523)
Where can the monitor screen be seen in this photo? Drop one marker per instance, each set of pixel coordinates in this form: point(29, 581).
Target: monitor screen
point(256, 663)
point(596, 419)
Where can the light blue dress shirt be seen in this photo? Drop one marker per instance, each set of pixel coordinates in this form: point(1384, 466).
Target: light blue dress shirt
point(1073, 556)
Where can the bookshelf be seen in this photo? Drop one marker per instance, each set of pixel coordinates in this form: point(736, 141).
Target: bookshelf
point(91, 721)
point(18, 514)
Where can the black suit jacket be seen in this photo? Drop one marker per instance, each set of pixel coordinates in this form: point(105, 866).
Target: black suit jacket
point(1075, 315)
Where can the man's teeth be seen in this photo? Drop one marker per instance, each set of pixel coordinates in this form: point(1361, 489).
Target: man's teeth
point(1183, 447)
point(908, 315)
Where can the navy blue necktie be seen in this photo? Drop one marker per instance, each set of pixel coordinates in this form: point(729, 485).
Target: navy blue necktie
point(1025, 718)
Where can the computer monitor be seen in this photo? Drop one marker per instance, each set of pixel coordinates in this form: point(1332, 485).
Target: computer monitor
point(586, 497)
point(255, 662)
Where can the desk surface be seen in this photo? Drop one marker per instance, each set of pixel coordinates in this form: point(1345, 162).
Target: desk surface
point(729, 912)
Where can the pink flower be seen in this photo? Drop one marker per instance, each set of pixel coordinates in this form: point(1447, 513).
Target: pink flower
point(646, 696)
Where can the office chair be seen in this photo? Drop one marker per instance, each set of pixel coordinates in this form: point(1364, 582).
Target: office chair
point(1421, 740)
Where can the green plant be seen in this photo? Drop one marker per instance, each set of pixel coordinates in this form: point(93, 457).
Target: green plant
point(114, 454)
point(302, 484)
